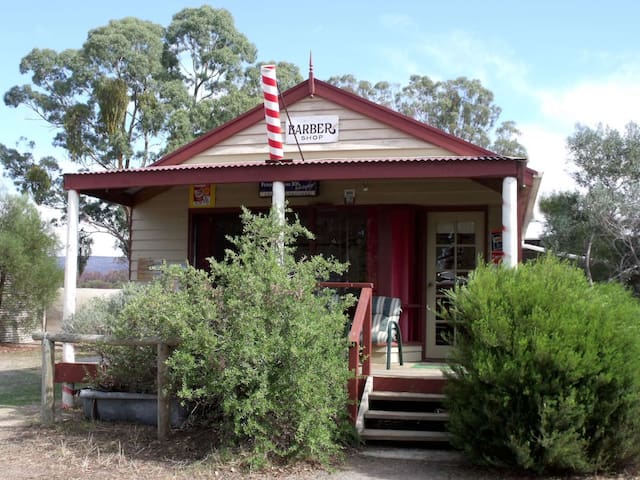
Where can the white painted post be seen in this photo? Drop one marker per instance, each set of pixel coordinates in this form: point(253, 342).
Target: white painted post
point(278, 200)
point(278, 204)
point(70, 282)
point(510, 221)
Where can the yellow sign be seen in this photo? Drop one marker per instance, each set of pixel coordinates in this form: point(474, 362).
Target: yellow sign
point(202, 196)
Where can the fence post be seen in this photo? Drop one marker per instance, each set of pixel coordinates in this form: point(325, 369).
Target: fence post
point(47, 408)
point(163, 392)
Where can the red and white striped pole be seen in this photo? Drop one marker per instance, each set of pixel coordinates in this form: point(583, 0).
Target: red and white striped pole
point(274, 136)
point(272, 111)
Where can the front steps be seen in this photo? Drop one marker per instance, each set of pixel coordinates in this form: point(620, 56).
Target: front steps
point(404, 410)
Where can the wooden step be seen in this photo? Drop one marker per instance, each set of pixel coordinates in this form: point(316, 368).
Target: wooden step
point(406, 396)
point(393, 383)
point(404, 435)
point(409, 416)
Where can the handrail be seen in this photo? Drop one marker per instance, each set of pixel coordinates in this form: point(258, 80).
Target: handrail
point(103, 339)
point(358, 325)
point(360, 328)
point(47, 409)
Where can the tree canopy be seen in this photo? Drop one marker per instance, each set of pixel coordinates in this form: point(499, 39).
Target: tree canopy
point(602, 220)
point(132, 92)
point(136, 90)
point(462, 107)
point(29, 273)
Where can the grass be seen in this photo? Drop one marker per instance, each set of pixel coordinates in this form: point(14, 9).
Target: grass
point(20, 387)
point(20, 378)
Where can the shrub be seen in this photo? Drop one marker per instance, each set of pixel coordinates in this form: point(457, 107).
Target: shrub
point(546, 373)
point(161, 308)
point(262, 349)
point(276, 360)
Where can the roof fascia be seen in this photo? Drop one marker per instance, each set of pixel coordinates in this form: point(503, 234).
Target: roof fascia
point(129, 179)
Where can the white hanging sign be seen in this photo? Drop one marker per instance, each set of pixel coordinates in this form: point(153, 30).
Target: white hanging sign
point(313, 129)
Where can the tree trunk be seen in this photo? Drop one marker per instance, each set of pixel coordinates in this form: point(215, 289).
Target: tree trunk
point(3, 278)
point(587, 260)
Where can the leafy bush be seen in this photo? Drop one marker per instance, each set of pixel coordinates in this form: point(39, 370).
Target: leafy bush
point(160, 308)
point(276, 360)
point(262, 349)
point(546, 373)
point(29, 274)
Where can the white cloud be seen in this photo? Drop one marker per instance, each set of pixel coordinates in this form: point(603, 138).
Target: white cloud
point(548, 155)
point(472, 56)
point(613, 101)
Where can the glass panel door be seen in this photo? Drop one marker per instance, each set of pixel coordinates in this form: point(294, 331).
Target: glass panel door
point(455, 239)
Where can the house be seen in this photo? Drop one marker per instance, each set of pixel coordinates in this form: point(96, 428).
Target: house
point(410, 207)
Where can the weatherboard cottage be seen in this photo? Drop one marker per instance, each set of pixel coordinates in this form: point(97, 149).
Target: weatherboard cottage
point(409, 206)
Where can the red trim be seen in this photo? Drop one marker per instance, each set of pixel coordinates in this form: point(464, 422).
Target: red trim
point(116, 183)
point(413, 384)
point(65, 372)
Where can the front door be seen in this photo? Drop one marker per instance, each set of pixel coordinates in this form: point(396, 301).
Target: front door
point(454, 241)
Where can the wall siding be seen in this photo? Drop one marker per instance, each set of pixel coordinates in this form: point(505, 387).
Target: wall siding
point(159, 232)
point(360, 136)
point(160, 225)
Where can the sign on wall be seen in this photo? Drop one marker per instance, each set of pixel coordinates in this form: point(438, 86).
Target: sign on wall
point(202, 195)
point(313, 129)
point(305, 188)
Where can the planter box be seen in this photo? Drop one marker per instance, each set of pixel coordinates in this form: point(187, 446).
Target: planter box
point(128, 407)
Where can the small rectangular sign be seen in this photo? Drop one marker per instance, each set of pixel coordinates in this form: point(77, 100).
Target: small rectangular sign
point(202, 196)
point(313, 129)
point(305, 188)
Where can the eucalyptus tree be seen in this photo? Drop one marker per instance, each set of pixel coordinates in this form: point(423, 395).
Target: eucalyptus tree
point(104, 102)
point(206, 52)
point(131, 92)
point(461, 107)
point(608, 202)
point(383, 93)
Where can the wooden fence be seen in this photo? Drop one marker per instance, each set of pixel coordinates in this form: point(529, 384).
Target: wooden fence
point(47, 409)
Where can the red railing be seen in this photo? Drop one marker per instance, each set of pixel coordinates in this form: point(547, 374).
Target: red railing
point(360, 328)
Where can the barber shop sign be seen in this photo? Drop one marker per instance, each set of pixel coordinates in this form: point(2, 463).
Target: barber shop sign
point(313, 129)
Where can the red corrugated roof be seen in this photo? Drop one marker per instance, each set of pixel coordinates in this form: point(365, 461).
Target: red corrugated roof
point(299, 163)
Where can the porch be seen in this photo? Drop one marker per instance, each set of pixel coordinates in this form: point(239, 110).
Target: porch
point(402, 403)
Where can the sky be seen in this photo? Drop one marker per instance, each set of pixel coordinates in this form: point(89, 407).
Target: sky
point(550, 64)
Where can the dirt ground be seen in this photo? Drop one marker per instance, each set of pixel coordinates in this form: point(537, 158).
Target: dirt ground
point(75, 448)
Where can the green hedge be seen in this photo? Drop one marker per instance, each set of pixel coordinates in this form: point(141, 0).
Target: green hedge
point(546, 372)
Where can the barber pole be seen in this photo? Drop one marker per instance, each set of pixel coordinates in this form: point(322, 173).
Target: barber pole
point(272, 111)
point(274, 136)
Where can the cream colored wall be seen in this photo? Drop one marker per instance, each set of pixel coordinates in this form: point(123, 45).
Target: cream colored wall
point(359, 137)
point(159, 231)
point(160, 225)
point(414, 192)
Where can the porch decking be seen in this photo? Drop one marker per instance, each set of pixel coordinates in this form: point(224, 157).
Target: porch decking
point(410, 370)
